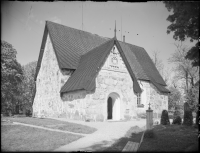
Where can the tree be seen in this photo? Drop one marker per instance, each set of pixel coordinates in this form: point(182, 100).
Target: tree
point(28, 85)
point(174, 98)
point(185, 24)
point(165, 73)
point(193, 54)
point(164, 118)
point(187, 118)
point(11, 78)
point(183, 67)
point(192, 97)
point(158, 63)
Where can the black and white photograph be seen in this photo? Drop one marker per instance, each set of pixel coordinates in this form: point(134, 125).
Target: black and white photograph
point(107, 76)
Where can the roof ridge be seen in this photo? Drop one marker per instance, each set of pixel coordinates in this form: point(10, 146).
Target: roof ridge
point(91, 51)
point(130, 44)
point(77, 29)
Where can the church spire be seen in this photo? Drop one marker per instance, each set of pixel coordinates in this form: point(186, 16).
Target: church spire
point(115, 30)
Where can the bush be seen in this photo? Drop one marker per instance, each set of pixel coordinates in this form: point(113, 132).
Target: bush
point(164, 118)
point(177, 120)
point(149, 134)
point(28, 113)
point(187, 118)
point(176, 113)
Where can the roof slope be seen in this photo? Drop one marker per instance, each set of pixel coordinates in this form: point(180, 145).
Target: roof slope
point(70, 44)
point(89, 66)
point(134, 63)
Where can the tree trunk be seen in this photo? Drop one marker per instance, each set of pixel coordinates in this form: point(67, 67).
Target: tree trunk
point(17, 109)
point(192, 82)
point(186, 77)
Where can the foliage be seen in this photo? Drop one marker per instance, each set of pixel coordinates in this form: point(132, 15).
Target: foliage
point(187, 118)
point(183, 67)
point(164, 118)
point(174, 97)
point(177, 120)
point(149, 134)
point(158, 62)
point(11, 78)
point(197, 117)
point(177, 113)
point(193, 54)
point(185, 23)
point(164, 72)
point(28, 86)
point(192, 97)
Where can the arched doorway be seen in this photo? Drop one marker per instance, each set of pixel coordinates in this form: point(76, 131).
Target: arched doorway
point(113, 107)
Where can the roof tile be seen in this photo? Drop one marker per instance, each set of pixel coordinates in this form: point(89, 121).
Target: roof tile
point(71, 45)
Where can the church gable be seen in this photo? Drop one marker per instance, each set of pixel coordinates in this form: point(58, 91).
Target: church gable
point(115, 79)
point(90, 64)
point(48, 82)
point(48, 73)
point(114, 61)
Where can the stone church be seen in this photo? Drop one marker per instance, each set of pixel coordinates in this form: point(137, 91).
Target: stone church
point(84, 76)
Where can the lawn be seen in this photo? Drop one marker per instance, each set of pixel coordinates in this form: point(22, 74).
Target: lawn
point(24, 138)
point(53, 124)
point(170, 138)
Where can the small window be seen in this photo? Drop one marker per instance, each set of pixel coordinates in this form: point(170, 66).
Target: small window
point(138, 98)
point(139, 101)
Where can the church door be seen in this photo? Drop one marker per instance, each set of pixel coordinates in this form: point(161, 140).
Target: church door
point(110, 108)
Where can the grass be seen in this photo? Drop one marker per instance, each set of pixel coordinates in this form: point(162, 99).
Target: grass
point(54, 124)
point(24, 138)
point(170, 138)
point(130, 136)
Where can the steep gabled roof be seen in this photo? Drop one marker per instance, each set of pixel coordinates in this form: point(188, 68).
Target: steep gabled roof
point(71, 44)
point(89, 66)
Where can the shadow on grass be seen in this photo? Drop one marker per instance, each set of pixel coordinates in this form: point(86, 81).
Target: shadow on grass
point(134, 134)
point(172, 138)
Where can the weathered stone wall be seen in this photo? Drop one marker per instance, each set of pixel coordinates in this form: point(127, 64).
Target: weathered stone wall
point(111, 78)
point(81, 105)
point(158, 101)
point(47, 101)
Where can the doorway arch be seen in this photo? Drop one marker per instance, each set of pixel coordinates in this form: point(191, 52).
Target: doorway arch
point(113, 106)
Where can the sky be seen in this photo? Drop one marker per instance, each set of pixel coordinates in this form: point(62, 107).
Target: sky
point(143, 24)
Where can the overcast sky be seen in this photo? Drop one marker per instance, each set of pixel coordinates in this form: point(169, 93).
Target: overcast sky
point(143, 24)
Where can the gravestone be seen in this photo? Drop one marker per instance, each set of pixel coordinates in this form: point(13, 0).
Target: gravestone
point(188, 118)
